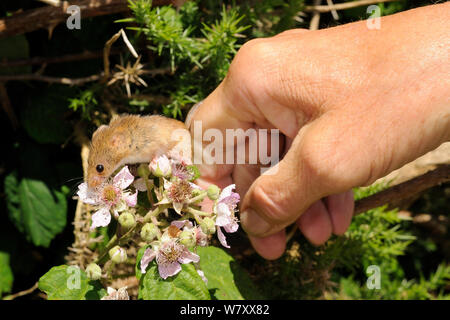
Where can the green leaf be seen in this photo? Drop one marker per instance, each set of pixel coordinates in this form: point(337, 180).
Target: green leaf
point(6, 275)
point(43, 212)
point(186, 285)
point(65, 283)
point(225, 277)
point(36, 210)
point(70, 283)
point(11, 185)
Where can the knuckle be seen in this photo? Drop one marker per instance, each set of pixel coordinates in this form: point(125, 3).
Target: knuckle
point(326, 165)
point(253, 59)
point(255, 70)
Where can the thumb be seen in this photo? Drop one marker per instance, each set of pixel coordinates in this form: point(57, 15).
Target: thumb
point(278, 197)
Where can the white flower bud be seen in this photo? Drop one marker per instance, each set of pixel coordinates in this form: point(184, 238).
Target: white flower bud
point(208, 226)
point(93, 271)
point(213, 192)
point(127, 220)
point(149, 232)
point(118, 254)
point(187, 238)
point(161, 167)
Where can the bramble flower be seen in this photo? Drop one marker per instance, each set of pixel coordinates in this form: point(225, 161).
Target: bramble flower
point(224, 209)
point(120, 294)
point(178, 192)
point(110, 197)
point(180, 170)
point(168, 246)
point(169, 254)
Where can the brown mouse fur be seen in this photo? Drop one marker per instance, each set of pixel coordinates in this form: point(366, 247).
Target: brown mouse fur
point(131, 139)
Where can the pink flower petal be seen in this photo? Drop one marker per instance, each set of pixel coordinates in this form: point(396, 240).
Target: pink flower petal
point(226, 192)
point(223, 215)
point(148, 256)
point(130, 199)
point(222, 239)
point(202, 275)
point(140, 185)
point(123, 179)
point(233, 226)
point(187, 257)
point(181, 224)
point(101, 218)
point(168, 269)
point(200, 237)
point(194, 186)
point(86, 195)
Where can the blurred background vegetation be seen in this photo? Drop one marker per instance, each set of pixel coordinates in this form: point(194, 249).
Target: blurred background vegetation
point(185, 52)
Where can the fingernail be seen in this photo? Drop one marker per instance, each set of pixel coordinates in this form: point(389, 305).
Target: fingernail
point(253, 224)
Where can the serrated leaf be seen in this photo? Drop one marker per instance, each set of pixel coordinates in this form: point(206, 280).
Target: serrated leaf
point(186, 285)
point(225, 277)
point(44, 213)
point(65, 283)
point(35, 210)
point(6, 275)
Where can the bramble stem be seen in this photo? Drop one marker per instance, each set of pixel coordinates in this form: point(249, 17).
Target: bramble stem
point(201, 196)
point(197, 212)
point(115, 240)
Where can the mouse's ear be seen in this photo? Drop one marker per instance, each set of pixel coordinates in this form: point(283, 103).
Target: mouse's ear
point(118, 139)
point(99, 129)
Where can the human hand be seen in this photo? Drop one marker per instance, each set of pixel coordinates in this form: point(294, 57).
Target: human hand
point(351, 104)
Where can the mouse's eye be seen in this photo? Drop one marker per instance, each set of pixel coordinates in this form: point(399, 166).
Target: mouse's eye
point(99, 168)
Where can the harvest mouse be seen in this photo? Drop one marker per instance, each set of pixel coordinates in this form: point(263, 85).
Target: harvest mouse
point(130, 139)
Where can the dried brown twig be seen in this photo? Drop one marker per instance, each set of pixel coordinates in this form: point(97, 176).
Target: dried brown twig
point(315, 20)
point(401, 191)
point(342, 6)
point(62, 80)
point(86, 55)
point(22, 293)
point(48, 17)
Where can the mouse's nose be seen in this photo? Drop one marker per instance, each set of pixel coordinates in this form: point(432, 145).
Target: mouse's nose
point(94, 182)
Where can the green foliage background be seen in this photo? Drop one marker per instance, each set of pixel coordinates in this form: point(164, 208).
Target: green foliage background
point(41, 169)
